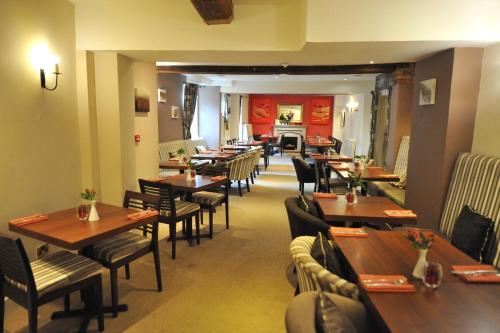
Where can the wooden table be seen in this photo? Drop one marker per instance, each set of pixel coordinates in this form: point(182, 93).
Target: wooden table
point(367, 174)
point(175, 165)
point(333, 157)
point(214, 156)
point(367, 210)
point(235, 148)
point(455, 306)
point(63, 229)
point(250, 143)
point(313, 142)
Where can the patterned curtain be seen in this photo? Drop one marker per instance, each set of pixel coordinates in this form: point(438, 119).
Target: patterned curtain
point(189, 108)
point(373, 123)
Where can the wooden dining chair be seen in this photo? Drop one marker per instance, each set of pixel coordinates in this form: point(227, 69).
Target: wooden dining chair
point(172, 211)
point(209, 200)
point(121, 250)
point(34, 284)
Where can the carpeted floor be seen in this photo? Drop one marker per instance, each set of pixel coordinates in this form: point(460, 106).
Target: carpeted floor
point(240, 281)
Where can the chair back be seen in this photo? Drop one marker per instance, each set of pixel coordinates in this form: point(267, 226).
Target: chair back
point(402, 158)
point(338, 146)
point(14, 264)
point(165, 193)
point(321, 171)
point(475, 182)
point(302, 223)
point(142, 201)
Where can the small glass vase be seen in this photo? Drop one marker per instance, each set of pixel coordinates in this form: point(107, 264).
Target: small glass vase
point(351, 197)
point(93, 216)
point(419, 270)
point(188, 175)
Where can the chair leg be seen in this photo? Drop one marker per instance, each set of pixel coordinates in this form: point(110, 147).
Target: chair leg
point(257, 169)
point(251, 177)
point(184, 227)
point(211, 223)
point(67, 303)
point(227, 214)
point(197, 222)
point(172, 238)
point(127, 271)
point(239, 188)
point(302, 188)
point(98, 298)
point(248, 185)
point(201, 215)
point(2, 309)
point(113, 276)
point(33, 318)
point(156, 255)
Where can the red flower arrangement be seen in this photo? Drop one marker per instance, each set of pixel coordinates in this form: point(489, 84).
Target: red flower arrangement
point(419, 239)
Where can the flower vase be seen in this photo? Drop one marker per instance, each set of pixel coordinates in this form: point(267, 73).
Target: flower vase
point(419, 270)
point(181, 159)
point(188, 175)
point(351, 197)
point(93, 216)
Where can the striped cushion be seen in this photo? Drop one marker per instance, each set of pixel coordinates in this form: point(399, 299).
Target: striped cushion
point(208, 198)
point(115, 248)
point(58, 270)
point(312, 276)
point(475, 182)
point(182, 208)
point(402, 157)
point(402, 181)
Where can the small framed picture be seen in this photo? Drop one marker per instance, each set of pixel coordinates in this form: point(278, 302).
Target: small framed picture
point(175, 112)
point(427, 92)
point(162, 95)
point(141, 100)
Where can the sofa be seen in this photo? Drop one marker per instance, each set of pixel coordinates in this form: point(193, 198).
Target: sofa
point(165, 148)
point(387, 189)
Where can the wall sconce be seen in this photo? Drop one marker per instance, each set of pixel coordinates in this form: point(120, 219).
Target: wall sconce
point(44, 61)
point(352, 105)
point(55, 72)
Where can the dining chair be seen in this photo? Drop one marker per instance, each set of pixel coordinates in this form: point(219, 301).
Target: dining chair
point(172, 211)
point(44, 280)
point(305, 173)
point(121, 250)
point(239, 171)
point(209, 200)
point(264, 154)
point(277, 144)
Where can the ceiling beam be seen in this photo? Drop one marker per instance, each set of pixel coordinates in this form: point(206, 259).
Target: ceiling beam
point(214, 11)
point(288, 70)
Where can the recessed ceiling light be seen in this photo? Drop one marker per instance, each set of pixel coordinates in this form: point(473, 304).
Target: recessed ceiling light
point(345, 79)
point(275, 77)
point(372, 62)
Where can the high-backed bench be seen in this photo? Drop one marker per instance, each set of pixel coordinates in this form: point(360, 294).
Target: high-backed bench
point(394, 193)
point(475, 182)
point(165, 148)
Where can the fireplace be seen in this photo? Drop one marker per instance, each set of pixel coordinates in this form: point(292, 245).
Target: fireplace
point(290, 142)
point(291, 131)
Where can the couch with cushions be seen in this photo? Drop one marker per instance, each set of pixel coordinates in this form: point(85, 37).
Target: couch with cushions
point(165, 149)
point(394, 190)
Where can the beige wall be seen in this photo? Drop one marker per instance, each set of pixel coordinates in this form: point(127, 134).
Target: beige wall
point(487, 126)
point(169, 128)
point(40, 160)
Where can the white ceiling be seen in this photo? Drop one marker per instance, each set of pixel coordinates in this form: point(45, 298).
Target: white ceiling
point(282, 78)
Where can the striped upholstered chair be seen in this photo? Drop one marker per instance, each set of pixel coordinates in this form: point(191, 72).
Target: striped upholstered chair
point(475, 182)
point(312, 276)
point(240, 170)
point(34, 284)
point(119, 251)
point(209, 200)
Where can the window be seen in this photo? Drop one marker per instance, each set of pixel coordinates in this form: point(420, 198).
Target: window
point(195, 130)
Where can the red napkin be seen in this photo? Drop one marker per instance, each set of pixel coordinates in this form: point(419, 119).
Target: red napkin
point(319, 195)
point(385, 283)
point(479, 278)
point(174, 159)
point(157, 179)
point(347, 232)
point(142, 215)
point(335, 162)
point(342, 168)
point(400, 213)
point(20, 221)
point(216, 178)
point(374, 167)
point(388, 175)
point(315, 154)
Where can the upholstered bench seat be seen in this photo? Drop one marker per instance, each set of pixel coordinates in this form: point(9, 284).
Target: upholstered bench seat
point(182, 208)
point(115, 248)
point(385, 188)
point(208, 198)
point(59, 269)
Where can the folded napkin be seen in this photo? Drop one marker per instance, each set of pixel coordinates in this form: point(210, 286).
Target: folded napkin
point(20, 221)
point(400, 213)
point(347, 232)
point(142, 215)
point(174, 159)
point(335, 162)
point(386, 283)
point(342, 168)
point(216, 178)
point(157, 179)
point(388, 175)
point(373, 167)
point(315, 154)
point(478, 278)
point(319, 195)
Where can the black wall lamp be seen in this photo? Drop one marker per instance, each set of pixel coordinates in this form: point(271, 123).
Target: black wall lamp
point(56, 72)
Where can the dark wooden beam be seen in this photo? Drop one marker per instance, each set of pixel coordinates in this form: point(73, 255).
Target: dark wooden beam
point(214, 11)
point(289, 70)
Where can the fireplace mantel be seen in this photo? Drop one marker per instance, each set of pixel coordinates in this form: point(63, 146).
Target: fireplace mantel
point(291, 130)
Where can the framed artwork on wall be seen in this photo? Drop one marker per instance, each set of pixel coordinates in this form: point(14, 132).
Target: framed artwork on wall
point(320, 110)
point(261, 110)
point(141, 100)
point(162, 95)
point(427, 92)
point(290, 112)
point(175, 112)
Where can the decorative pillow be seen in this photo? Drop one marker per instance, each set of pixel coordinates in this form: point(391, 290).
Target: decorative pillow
point(329, 318)
point(470, 232)
point(325, 255)
point(173, 155)
point(307, 205)
point(402, 181)
point(200, 149)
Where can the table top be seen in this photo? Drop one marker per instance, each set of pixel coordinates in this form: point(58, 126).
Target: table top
point(214, 156)
point(175, 165)
point(455, 306)
point(198, 183)
point(321, 143)
point(235, 147)
point(367, 210)
point(250, 143)
point(63, 228)
point(367, 173)
point(333, 157)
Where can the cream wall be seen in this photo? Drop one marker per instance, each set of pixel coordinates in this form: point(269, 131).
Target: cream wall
point(487, 125)
point(40, 158)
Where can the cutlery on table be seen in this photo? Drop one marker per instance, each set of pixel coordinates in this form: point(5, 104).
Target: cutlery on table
point(476, 272)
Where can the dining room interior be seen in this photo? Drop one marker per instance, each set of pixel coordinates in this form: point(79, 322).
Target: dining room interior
point(250, 166)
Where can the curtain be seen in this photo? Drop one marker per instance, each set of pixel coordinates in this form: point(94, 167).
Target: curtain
point(189, 108)
point(373, 123)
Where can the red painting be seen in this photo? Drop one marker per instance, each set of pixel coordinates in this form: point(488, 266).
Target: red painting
point(261, 110)
point(320, 110)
